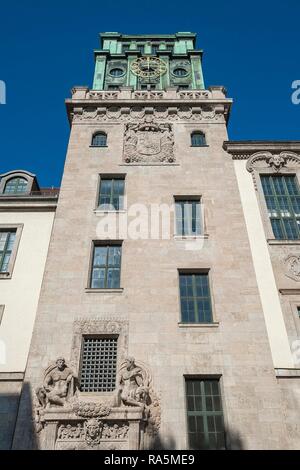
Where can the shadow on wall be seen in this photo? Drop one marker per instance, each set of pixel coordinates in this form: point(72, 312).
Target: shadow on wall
point(233, 442)
point(24, 434)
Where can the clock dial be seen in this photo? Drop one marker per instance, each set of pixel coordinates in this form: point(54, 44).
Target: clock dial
point(148, 67)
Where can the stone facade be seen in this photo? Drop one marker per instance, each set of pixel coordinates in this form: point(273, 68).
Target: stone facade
point(149, 144)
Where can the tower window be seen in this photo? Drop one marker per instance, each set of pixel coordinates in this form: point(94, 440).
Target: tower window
point(111, 193)
point(282, 197)
point(140, 47)
point(16, 186)
point(180, 72)
point(98, 364)
point(106, 267)
point(7, 240)
point(195, 298)
point(99, 140)
point(204, 414)
point(116, 72)
point(198, 139)
point(154, 48)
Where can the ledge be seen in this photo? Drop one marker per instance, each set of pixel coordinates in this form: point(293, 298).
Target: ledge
point(287, 373)
point(274, 241)
point(104, 291)
point(190, 237)
point(289, 291)
point(198, 325)
point(5, 275)
point(11, 376)
point(100, 211)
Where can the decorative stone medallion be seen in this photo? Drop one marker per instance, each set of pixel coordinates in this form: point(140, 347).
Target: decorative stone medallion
point(292, 267)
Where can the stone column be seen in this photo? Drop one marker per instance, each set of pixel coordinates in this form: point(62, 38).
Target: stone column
point(134, 435)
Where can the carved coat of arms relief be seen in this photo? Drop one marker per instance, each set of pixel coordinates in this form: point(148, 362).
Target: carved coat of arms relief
point(148, 142)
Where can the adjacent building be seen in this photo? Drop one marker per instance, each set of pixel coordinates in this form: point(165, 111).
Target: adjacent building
point(26, 218)
point(169, 309)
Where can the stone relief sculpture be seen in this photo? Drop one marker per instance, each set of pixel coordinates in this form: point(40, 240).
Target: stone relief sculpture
point(292, 267)
point(59, 384)
point(68, 420)
point(148, 142)
point(134, 384)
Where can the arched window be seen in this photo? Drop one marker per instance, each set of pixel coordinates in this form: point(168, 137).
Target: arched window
point(198, 139)
point(16, 186)
point(99, 139)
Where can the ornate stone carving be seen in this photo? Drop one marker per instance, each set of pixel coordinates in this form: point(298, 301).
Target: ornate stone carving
point(58, 385)
point(292, 267)
point(115, 431)
point(135, 389)
point(161, 112)
point(148, 142)
point(70, 431)
point(273, 162)
point(93, 430)
point(90, 409)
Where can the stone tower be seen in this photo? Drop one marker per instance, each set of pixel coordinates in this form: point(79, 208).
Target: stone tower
point(150, 330)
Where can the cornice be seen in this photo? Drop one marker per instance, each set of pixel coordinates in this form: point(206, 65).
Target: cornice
point(242, 150)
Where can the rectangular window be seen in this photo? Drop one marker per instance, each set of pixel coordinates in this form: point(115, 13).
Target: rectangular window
point(195, 298)
point(183, 87)
point(106, 267)
point(113, 87)
point(154, 49)
point(7, 240)
point(188, 217)
point(111, 193)
point(98, 364)
point(140, 47)
point(125, 47)
point(282, 197)
point(204, 414)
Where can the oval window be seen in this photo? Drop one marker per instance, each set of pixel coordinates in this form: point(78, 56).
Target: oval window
point(116, 72)
point(180, 72)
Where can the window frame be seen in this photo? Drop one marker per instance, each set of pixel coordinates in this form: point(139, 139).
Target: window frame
point(109, 176)
point(98, 336)
point(198, 200)
point(276, 196)
point(198, 132)
point(14, 178)
point(95, 134)
point(214, 321)
point(17, 228)
point(105, 243)
point(223, 413)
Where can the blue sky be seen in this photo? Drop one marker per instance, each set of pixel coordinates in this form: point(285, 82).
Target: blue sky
point(46, 47)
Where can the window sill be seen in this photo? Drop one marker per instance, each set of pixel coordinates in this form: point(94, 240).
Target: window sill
point(106, 211)
point(198, 146)
point(98, 146)
point(198, 325)
point(190, 237)
point(5, 275)
point(274, 241)
point(89, 290)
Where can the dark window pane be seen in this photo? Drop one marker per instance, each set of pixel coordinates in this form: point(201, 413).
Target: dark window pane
point(106, 267)
point(198, 139)
point(16, 186)
point(205, 423)
point(283, 202)
point(99, 140)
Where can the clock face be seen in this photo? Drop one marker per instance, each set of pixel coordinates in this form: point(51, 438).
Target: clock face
point(148, 67)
